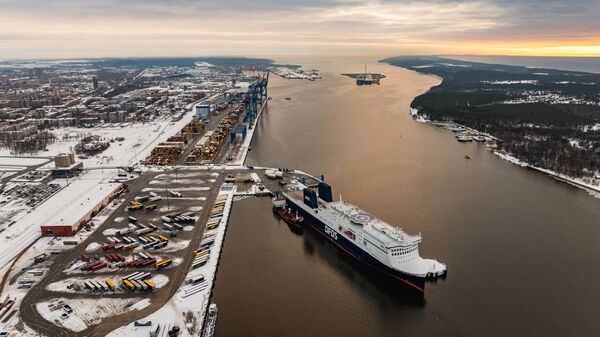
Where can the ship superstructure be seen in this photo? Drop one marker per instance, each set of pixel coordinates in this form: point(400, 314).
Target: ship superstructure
point(362, 235)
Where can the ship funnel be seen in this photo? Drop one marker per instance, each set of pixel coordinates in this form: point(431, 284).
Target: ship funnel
point(310, 198)
point(322, 178)
point(325, 192)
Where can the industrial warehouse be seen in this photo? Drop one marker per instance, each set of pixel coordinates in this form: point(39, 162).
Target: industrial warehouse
point(70, 217)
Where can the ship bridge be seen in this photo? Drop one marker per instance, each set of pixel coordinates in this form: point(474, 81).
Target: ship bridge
point(387, 234)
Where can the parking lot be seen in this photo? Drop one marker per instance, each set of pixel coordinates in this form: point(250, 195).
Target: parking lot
point(135, 261)
point(28, 194)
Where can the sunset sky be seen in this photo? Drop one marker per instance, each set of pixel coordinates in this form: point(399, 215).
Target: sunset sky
point(97, 28)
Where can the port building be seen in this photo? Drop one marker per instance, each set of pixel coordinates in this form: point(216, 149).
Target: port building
point(66, 166)
point(78, 208)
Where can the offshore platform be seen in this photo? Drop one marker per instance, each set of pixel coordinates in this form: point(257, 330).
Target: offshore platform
point(366, 78)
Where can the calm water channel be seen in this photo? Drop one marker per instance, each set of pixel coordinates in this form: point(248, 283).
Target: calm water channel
point(523, 251)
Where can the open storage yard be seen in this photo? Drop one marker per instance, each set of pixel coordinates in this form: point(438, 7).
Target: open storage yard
point(151, 241)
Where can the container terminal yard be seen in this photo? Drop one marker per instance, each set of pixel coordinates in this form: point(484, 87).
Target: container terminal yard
point(124, 240)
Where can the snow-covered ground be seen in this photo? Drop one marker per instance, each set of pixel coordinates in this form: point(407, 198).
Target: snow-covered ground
point(86, 311)
point(10, 168)
point(510, 158)
point(187, 308)
point(43, 245)
point(534, 82)
point(593, 187)
point(6, 174)
point(418, 117)
point(180, 175)
point(175, 245)
point(138, 143)
point(291, 73)
point(141, 304)
point(27, 227)
point(22, 161)
point(93, 246)
point(139, 139)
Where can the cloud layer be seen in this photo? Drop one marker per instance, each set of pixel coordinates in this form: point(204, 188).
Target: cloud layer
point(86, 28)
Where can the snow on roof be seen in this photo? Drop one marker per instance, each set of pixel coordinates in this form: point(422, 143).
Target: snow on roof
point(65, 205)
point(75, 201)
point(243, 84)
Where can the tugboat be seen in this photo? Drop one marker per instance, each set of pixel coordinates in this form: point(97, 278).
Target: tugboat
point(285, 213)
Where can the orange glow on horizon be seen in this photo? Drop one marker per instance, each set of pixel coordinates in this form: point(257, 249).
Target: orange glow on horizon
point(522, 48)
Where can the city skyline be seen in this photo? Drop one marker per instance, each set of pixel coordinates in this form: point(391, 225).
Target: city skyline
point(72, 29)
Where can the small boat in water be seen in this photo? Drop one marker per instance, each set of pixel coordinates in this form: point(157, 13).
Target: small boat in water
point(289, 216)
point(286, 213)
point(464, 138)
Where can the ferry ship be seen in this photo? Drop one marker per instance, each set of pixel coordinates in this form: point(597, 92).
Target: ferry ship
point(372, 241)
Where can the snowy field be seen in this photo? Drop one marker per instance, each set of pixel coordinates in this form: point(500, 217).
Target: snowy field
point(139, 140)
point(10, 168)
point(22, 161)
point(87, 311)
point(6, 174)
point(40, 246)
point(27, 228)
